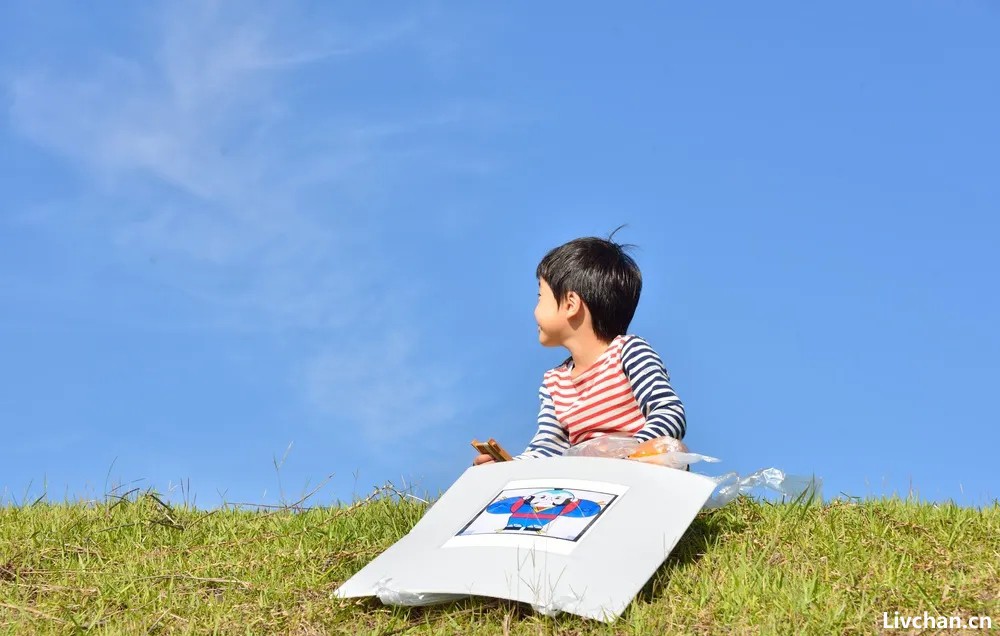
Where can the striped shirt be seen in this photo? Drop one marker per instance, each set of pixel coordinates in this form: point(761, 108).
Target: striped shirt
point(627, 390)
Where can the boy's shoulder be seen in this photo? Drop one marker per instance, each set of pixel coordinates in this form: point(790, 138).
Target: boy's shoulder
point(617, 348)
point(632, 341)
point(559, 370)
point(636, 347)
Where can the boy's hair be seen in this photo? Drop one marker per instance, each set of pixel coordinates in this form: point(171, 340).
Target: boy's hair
point(605, 277)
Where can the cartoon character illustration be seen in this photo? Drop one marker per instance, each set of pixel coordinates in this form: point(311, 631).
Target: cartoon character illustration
point(536, 511)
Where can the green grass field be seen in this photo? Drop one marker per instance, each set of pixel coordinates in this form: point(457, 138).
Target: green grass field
point(136, 565)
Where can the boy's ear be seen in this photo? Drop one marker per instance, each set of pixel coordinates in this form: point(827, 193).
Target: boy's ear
point(573, 303)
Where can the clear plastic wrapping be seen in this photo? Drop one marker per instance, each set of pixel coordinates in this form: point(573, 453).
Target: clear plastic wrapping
point(731, 485)
point(673, 453)
point(607, 446)
point(391, 596)
point(664, 451)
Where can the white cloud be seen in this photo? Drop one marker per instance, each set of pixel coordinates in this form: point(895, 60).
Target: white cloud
point(388, 392)
point(208, 164)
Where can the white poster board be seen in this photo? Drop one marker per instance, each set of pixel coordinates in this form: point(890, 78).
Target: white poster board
point(571, 534)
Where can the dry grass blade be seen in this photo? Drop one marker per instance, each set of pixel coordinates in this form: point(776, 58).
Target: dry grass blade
point(35, 612)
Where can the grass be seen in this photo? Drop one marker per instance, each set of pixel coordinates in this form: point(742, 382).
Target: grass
point(137, 565)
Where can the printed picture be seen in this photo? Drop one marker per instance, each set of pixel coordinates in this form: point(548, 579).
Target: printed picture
point(556, 513)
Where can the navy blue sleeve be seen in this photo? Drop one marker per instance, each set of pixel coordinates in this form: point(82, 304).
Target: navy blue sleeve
point(650, 382)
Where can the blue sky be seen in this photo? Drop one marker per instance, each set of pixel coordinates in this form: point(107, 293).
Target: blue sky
point(233, 236)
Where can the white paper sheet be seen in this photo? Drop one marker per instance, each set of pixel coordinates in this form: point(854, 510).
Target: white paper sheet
point(586, 536)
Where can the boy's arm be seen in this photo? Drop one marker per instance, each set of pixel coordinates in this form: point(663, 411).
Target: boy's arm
point(551, 438)
point(650, 382)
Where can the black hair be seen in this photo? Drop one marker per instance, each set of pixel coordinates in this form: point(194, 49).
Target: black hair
point(606, 278)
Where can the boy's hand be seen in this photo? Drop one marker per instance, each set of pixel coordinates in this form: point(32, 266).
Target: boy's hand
point(482, 459)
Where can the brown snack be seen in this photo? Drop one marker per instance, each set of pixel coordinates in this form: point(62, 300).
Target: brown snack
point(492, 449)
point(504, 455)
point(481, 447)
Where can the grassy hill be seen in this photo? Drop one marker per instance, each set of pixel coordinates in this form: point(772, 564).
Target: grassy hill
point(136, 565)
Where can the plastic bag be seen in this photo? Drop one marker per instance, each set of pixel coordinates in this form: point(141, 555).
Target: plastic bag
point(558, 605)
point(667, 451)
point(664, 451)
point(391, 596)
point(731, 485)
point(607, 446)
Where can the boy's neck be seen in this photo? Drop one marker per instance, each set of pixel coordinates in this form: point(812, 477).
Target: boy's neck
point(585, 351)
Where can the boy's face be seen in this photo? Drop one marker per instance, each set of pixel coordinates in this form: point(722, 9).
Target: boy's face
point(553, 321)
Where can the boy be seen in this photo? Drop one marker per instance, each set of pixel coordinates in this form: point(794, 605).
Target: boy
point(588, 290)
